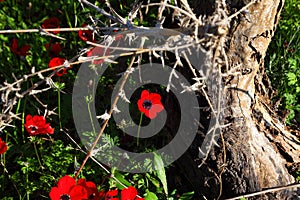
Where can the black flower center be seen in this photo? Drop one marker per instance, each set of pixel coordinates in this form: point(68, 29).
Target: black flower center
point(33, 128)
point(92, 196)
point(65, 197)
point(147, 104)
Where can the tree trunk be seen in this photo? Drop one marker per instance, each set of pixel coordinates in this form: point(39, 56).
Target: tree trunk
point(256, 136)
point(258, 147)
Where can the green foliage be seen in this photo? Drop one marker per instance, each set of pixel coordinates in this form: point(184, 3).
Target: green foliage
point(33, 172)
point(298, 176)
point(160, 171)
point(150, 196)
point(32, 165)
point(283, 60)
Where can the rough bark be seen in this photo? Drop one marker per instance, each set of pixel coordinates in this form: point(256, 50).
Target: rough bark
point(251, 138)
point(258, 145)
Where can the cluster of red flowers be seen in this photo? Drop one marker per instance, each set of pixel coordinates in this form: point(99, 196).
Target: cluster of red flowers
point(54, 48)
point(150, 104)
point(37, 125)
point(87, 35)
point(67, 188)
point(3, 146)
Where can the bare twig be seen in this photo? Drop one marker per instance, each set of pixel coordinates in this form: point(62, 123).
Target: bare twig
point(118, 19)
point(89, 153)
point(241, 10)
point(56, 29)
point(266, 191)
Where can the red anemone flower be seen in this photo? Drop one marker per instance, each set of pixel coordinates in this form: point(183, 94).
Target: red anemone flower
point(53, 49)
point(3, 147)
point(51, 23)
point(86, 35)
point(97, 51)
point(37, 125)
point(68, 190)
point(130, 193)
point(19, 51)
point(150, 104)
point(54, 62)
point(90, 187)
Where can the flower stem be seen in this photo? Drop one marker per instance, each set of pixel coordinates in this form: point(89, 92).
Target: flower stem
point(105, 122)
point(59, 110)
point(139, 128)
point(91, 118)
point(37, 155)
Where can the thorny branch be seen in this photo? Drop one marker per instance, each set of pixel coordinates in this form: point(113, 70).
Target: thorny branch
point(115, 101)
point(209, 82)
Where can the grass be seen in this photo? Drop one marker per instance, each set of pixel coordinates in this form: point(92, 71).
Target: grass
point(283, 59)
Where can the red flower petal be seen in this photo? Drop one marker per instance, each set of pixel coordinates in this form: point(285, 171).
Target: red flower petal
point(55, 193)
point(154, 110)
point(141, 107)
point(51, 23)
point(37, 125)
point(54, 62)
point(3, 147)
point(145, 94)
point(155, 98)
point(64, 187)
point(14, 46)
point(111, 193)
point(118, 37)
point(66, 182)
point(102, 195)
point(152, 102)
point(53, 49)
point(90, 187)
point(56, 48)
point(86, 35)
point(128, 193)
point(97, 51)
point(78, 192)
point(23, 51)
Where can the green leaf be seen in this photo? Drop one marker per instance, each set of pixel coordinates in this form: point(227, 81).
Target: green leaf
point(155, 182)
point(122, 179)
point(187, 196)
point(293, 63)
point(292, 78)
point(150, 196)
point(160, 170)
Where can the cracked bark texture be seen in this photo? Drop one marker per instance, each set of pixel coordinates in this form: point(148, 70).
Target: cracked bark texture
point(258, 145)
